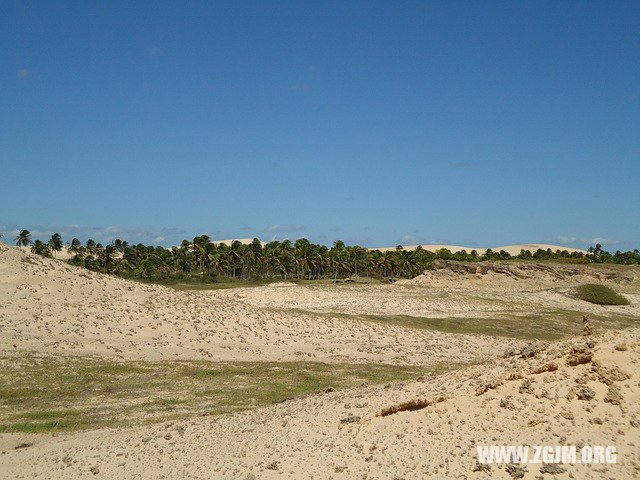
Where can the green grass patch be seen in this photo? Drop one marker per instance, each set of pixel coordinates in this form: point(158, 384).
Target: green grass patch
point(199, 282)
point(600, 294)
point(49, 394)
point(544, 325)
point(47, 414)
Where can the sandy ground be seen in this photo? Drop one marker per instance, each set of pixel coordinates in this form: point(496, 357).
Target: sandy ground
point(434, 302)
point(52, 307)
point(580, 391)
point(540, 400)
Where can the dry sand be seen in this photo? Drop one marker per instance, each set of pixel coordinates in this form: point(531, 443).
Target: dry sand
point(539, 394)
point(530, 401)
point(52, 307)
point(510, 249)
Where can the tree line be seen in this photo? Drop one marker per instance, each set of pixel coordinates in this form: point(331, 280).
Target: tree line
point(204, 260)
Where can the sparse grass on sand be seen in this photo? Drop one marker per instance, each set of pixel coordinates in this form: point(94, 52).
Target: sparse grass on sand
point(205, 283)
point(70, 393)
point(600, 294)
point(548, 324)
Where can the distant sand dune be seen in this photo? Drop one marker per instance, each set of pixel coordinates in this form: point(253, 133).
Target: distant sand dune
point(511, 249)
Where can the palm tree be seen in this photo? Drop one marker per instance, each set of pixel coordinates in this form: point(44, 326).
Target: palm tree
point(236, 255)
point(24, 238)
point(55, 243)
point(75, 248)
point(108, 255)
point(41, 248)
point(91, 247)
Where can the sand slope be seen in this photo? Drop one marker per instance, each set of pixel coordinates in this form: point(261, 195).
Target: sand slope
point(581, 391)
point(52, 307)
point(516, 400)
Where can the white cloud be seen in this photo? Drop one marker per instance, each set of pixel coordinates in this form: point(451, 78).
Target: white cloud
point(565, 239)
point(285, 228)
point(99, 234)
point(602, 240)
point(584, 242)
point(409, 240)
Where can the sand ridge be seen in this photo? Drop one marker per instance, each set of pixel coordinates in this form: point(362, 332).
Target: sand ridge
point(53, 307)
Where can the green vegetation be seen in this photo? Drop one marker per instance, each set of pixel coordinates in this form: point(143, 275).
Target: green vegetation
point(55, 243)
point(60, 394)
point(600, 294)
point(41, 248)
point(202, 262)
point(23, 238)
point(545, 325)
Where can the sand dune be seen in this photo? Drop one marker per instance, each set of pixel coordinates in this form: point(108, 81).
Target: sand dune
point(61, 255)
point(50, 306)
point(533, 398)
point(243, 241)
point(579, 391)
point(511, 249)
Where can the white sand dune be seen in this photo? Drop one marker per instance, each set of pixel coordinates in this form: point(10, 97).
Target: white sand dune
point(582, 391)
point(511, 249)
point(50, 306)
point(61, 255)
point(243, 241)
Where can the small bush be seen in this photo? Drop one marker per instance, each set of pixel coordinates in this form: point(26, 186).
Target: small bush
point(600, 294)
point(582, 261)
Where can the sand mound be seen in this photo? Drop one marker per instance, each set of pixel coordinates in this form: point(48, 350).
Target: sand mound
point(559, 394)
point(52, 307)
point(500, 274)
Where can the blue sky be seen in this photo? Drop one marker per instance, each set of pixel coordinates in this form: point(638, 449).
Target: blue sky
point(475, 123)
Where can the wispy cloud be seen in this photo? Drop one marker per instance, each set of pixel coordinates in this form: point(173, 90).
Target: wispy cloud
point(463, 164)
point(602, 240)
point(285, 228)
point(408, 239)
point(163, 236)
point(363, 240)
point(565, 239)
point(582, 241)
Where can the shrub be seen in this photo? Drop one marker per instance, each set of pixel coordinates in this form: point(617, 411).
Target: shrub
point(600, 294)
